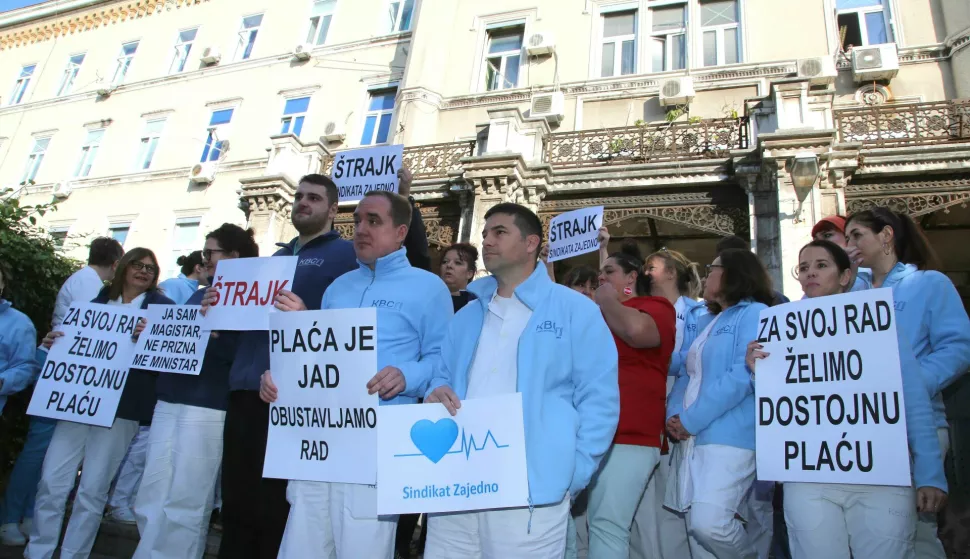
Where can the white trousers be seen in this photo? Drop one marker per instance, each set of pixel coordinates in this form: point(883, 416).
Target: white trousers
point(722, 478)
point(336, 521)
point(614, 494)
point(928, 545)
point(176, 493)
point(759, 512)
point(499, 534)
point(658, 532)
point(838, 521)
point(100, 450)
point(126, 483)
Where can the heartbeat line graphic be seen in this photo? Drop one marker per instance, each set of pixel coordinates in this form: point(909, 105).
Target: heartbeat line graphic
point(467, 445)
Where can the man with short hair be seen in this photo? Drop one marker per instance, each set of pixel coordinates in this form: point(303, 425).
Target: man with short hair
point(413, 310)
point(832, 228)
point(85, 284)
point(527, 334)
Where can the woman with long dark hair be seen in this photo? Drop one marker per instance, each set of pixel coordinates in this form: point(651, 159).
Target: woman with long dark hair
point(838, 521)
point(716, 415)
point(643, 330)
point(100, 450)
point(928, 304)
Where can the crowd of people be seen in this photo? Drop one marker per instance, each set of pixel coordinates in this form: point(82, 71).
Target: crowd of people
point(637, 382)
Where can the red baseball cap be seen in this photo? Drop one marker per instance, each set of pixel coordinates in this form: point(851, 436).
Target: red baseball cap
point(836, 222)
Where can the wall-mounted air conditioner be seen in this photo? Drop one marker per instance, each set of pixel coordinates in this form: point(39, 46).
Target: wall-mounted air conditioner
point(334, 132)
point(677, 91)
point(211, 55)
point(550, 106)
point(203, 173)
point(62, 190)
point(302, 52)
point(878, 62)
point(820, 70)
point(541, 43)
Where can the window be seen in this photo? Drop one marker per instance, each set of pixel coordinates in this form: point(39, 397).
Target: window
point(380, 111)
point(214, 146)
point(70, 74)
point(247, 36)
point(399, 16)
point(184, 240)
point(502, 57)
point(119, 232)
point(20, 86)
point(183, 46)
point(35, 158)
point(720, 31)
point(125, 57)
point(58, 235)
point(863, 23)
point(89, 150)
point(149, 143)
point(619, 43)
point(669, 38)
point(320, 18)
point(293, 114)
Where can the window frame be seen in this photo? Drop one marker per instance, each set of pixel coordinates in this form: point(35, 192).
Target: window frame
point(184, 58)
point(618, 40)
point(119, 226)
point(35, 159)
point(505, 56)
point(145, 148)
point(59, 235)
point(395, 21)
point(295, 120)
point(377, 114)
point(315, 28)
point(718, 31)
point(190, 245)
point(89, 153)
point(885, 8)
point(246, 46)
point(21, 83)
point(69, 75)
point(213, 151)
point(668, 34)
point(123, 63)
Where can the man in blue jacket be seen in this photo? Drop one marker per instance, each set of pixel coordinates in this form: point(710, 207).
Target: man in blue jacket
point(413, 311)
point(526, 334)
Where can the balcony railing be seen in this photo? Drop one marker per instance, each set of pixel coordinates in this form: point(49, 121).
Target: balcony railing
point(905, 125)
point(429, 161)
point(701, 139)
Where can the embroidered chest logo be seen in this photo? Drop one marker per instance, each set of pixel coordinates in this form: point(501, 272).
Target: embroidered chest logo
point(386, 304)
point(900, 305)
point(724, 330)
point(310, 262)
point(549, 327)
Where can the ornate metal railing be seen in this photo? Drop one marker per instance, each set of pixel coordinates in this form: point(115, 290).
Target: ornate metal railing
point(700, 139)
point(906, 124)
point(429, 161)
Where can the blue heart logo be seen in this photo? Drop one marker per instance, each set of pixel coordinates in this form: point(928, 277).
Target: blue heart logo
point(434, 439)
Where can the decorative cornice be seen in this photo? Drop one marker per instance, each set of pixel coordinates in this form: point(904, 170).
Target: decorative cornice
point(938, 186)
point(653, 200)
point(959, 40)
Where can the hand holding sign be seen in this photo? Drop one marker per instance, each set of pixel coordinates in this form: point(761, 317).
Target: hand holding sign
point(50, 338)
point(388, 383)
point(445, 396)
point(267, 388)
point(753, 353)
point(287, 301)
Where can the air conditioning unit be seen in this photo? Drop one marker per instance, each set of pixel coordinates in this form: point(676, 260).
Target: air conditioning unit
point(203, 173)
point(105, 91)
point(878, 62)
point(819, 71)
point(541, 43)
point(334, 132)
point(677, 91)
point(211, 55)
point(549, 106)
point(302, 52)
point(62, 190)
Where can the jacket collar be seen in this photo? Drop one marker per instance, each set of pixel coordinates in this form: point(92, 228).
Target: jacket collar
point(530, 292)
point(291, 246)
point(4, 305)
point(899, 272)
point(692, 304)
point(397, 260)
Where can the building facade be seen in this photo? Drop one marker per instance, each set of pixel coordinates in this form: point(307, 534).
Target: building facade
point(156, 120)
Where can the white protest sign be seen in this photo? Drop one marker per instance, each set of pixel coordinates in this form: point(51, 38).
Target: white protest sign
point(429, 461)
point(174, 340)
point(359, 171)
point(323, 426)
point(246, 288)
point(830, 395)
point(86, 369)
point(574, 233)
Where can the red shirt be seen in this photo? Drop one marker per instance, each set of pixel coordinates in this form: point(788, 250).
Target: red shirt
point(643, 377)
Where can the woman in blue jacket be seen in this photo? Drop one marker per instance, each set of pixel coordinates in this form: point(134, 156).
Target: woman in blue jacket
point(100, 450)
point(192, 276)
point(717, 417)
point(839, 521)
point(926, 301)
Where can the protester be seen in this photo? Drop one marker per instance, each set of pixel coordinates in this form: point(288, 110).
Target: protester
point(659, 532)
point(735, 242)
point(832, 228)
point(339, 518)
point(582, 279)
point(643, 329)
point(711, 409)
point(458, 267)
point(18, 367)
point(177, 490)
point(568, 381)
point(416, 243)
point(836, 520)
point(85, 284)
point(192, 276)
point(928, 304)
point(121, 496)
point(99, 449)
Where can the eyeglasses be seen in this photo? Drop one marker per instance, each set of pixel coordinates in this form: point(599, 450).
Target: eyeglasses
point(139, 266)
point(710, 267)
point(207, 253)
